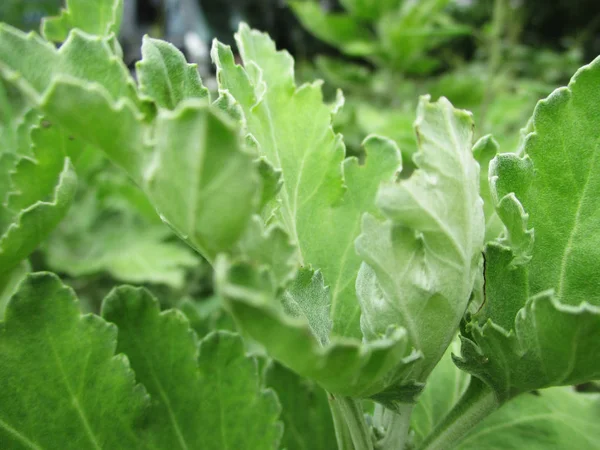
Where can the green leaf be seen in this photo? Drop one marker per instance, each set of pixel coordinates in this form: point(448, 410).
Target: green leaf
point(203, 395)
point(552, 344)
point(194, 191)
point(422, 262)
point(165, 76)
point(32, 210)
point(60, 365)
point(271, 249)
point(127, 251)
point(83, 75)
point(89, 92)
point(293, 129)
point(553, 419)
point(542, 308)
point(304, 410)
point(100, 17)
point(556, 418)
point(409, 32)
point(563, 199)
point(345, 367)
point(9, 281)
point(370, 9)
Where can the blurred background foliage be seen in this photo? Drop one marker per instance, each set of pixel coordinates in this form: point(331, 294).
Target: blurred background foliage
point(493, 57)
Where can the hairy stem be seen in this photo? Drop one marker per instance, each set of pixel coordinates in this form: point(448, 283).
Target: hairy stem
point(476, 403)
point(351, 430)
point(396, 425)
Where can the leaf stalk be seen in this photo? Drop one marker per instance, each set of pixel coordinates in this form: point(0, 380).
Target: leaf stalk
point(477, 403)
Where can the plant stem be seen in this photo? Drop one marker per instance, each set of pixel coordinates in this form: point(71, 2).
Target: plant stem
point(351, 430)
point(476, 403)
point(396, 425)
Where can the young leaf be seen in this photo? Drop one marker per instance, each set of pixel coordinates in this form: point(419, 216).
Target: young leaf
point(344, 366)
point(60, 365)
point(484, 151)
point(420, 264)
point(165, 76)
point(100, 17)
point(203, 395)
point(292, 126)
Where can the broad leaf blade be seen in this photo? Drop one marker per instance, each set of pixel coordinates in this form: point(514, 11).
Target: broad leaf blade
point(421, 264)
point(292, 126)
point(204, 394)
point(563, 200)
point(58, 364)
point(553, 340)
point(194, 191)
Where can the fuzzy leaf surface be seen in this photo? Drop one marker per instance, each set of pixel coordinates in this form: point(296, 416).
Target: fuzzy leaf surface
point(61, 365)
point(343, 366)
point(323, 195)
point(165, 76)
point(540, 326)
point(421, 263)
point(204, 393)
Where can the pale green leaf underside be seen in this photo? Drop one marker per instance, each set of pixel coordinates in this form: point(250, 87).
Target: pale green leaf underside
point(420, 265)
point(165, 76)
point(343, 366)
point(323, 196)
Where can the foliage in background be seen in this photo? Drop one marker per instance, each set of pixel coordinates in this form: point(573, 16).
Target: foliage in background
point(414, 48)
